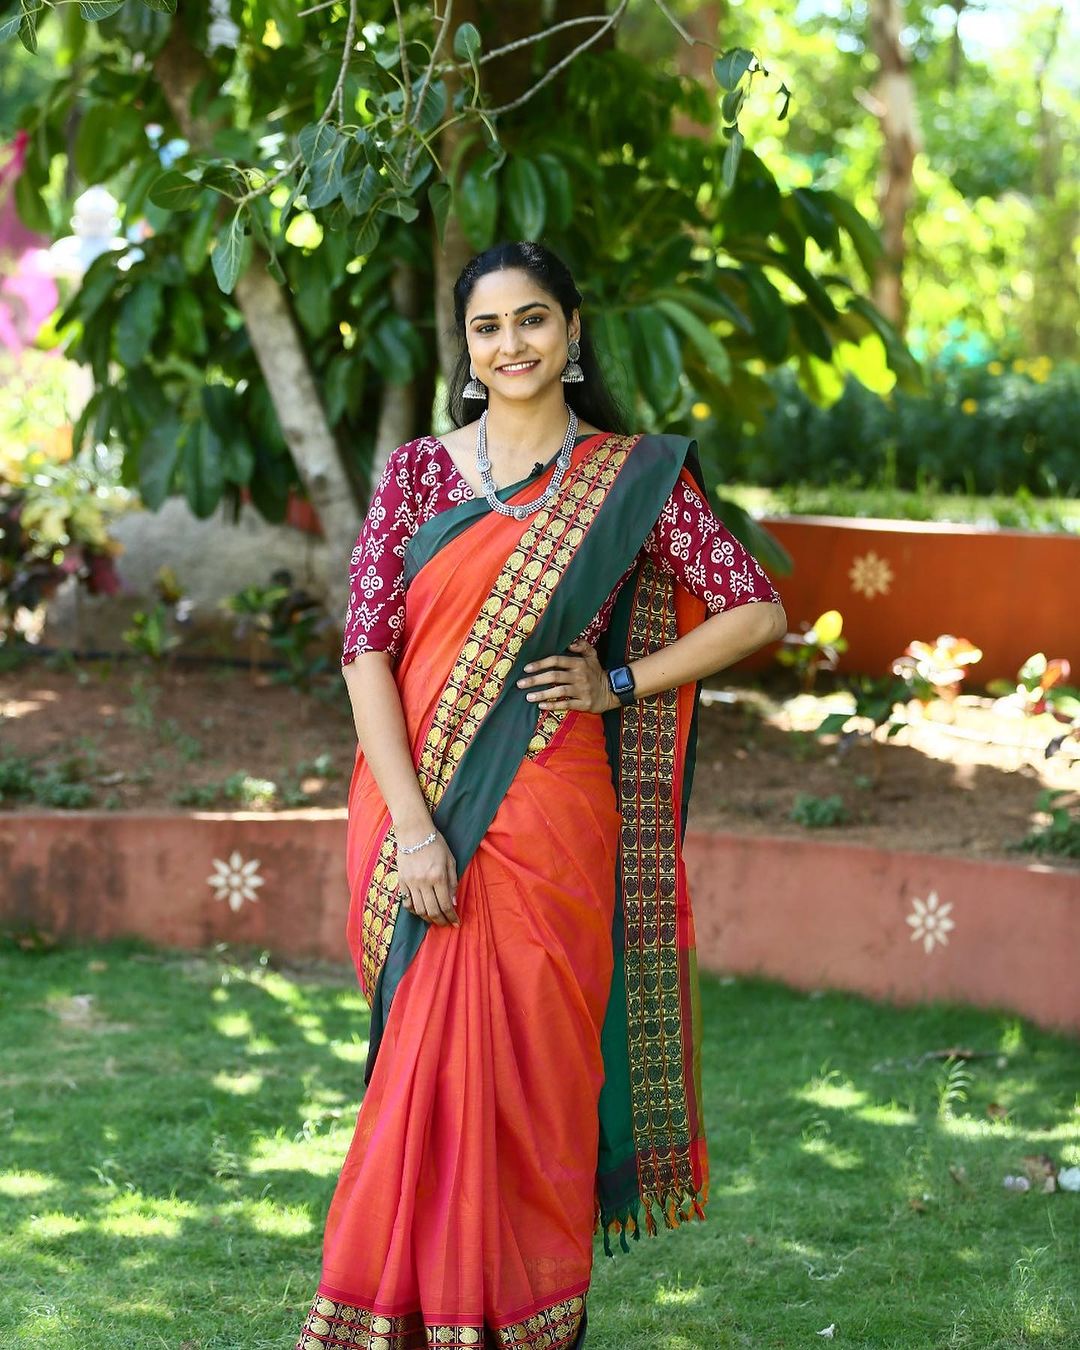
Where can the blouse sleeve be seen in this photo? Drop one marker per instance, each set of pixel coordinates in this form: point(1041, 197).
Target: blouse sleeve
point(375, 618)
point(689, 542)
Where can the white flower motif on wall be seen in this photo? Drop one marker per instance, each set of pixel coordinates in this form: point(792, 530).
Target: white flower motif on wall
point(930, 921)
point(871, 575)
point(235, 880)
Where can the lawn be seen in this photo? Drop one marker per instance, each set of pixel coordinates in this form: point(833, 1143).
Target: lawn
point(171, 1126)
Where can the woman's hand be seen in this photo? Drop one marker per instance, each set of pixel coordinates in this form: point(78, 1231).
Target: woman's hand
point(427, 881)
point(577, 680)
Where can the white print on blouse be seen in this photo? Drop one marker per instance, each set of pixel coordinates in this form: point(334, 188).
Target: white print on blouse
point(375, 618)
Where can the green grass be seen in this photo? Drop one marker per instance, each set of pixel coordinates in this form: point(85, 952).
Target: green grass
point(1022, 511)
point(168, 1149)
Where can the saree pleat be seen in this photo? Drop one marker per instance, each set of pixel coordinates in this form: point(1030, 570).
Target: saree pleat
point(468, 1190)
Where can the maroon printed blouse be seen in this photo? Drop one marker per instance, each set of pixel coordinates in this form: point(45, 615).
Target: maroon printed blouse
point(420, 480)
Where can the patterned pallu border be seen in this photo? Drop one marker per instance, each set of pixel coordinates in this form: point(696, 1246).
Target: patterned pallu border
point(515, 604)
point(656, 970)
point(334, 1325)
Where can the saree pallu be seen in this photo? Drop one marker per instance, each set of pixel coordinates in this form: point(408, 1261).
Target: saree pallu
point(533, 1074)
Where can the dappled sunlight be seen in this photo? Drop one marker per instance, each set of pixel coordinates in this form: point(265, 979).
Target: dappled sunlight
point(49, 1227)
point(234, 1024)
point(840, 1159)
point(838, 1096)
point(241, 1084)
point(278, 1221)
point(139, 1224)
point(677, 1297)
point(352, 1052)
point(19, 1184)
point(885, 1115)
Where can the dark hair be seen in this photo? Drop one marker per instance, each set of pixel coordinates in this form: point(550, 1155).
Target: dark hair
point(592, 400)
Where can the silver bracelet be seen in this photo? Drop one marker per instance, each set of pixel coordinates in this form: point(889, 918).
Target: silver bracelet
point(415, 848)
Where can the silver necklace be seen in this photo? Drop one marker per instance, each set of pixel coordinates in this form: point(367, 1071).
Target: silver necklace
point(562, 463)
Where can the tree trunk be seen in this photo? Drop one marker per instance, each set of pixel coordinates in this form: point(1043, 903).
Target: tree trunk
point(896, 110)
point(401, 407)
point(278, 344)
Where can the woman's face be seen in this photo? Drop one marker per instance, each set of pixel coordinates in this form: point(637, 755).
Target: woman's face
point(517, 334)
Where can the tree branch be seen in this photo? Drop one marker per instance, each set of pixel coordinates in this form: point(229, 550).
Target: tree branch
point(549, 75)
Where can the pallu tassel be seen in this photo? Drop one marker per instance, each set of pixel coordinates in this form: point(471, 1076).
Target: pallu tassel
point(675, 1208)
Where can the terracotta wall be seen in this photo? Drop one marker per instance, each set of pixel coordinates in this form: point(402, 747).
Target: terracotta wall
point(901, 926)
point(1012, 592)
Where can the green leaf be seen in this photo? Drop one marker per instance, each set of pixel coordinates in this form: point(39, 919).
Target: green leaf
point(731, 66)
point(228, 440)
point(467, 42)
point(202, 469)
point(367, 235)
point(523, 198)
point(404, 208)
point(28, 24)
point(11, 25)
point(395, 349)
point(196, 240)
point(108, 137)
point(730, 105)
point(175, 191)
point(186, 319)
point(99, 9)
point(832, 724)
point(558, 190)
point(811, 334)
point(864, 238)
point(30, 205)
point(326, 171)
point(731, 157)
point(441, 199)
point(358, 190)
point(769, 313)
point(616, 353)
point(709, 346)
point(162, 6)
point(477, 201)
point(228, 254)
point(158, 455)
point(785, 94)
point(657, 357)
point(818, 219)
point(312, 301)
point(434, 109)
point(315, 140)
point(140, 314)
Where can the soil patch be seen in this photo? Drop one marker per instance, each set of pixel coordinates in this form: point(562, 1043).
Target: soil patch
point(961, 780)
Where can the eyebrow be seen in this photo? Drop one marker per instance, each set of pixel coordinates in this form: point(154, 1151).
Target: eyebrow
point(520, 310)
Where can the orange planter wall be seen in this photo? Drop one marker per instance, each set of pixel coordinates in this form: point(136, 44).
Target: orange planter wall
point(1010, 591)
point(903, 926)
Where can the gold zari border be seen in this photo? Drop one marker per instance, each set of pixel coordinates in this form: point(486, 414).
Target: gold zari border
point(514, 606)
point(332, 1325)
point(648, 849)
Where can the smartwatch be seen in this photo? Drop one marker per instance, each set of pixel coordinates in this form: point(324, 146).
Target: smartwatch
point(621, 680)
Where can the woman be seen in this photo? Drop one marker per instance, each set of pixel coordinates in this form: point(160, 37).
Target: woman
point(523, 649)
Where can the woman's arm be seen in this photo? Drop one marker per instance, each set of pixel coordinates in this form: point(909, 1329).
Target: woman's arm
point(428, 877)
point(579, 681)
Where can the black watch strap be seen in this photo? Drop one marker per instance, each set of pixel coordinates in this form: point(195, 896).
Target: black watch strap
point(621, 680)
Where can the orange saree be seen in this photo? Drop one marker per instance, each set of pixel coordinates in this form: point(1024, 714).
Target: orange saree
point(465, 1210)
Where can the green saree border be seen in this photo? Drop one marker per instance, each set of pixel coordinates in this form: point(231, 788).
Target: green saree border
point(468, 805)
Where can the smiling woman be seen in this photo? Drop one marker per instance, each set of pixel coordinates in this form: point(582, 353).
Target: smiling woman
point(523, 648)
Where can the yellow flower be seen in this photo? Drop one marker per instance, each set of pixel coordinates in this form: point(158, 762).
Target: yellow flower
point(1019, 365)
point(969, 405)
point(995, 368)
point(701, 411)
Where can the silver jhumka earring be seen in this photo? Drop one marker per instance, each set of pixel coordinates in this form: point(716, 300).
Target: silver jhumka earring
point(572, 372)
point(474, 389)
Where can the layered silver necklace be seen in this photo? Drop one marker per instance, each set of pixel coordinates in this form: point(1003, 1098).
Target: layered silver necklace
point(562, 463)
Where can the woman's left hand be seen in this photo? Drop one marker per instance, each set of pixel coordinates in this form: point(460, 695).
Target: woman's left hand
point(576, 680)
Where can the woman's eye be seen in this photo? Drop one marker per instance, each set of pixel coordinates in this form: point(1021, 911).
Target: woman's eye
point(489, 327)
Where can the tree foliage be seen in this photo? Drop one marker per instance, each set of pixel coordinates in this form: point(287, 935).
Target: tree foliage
point(321, 148)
